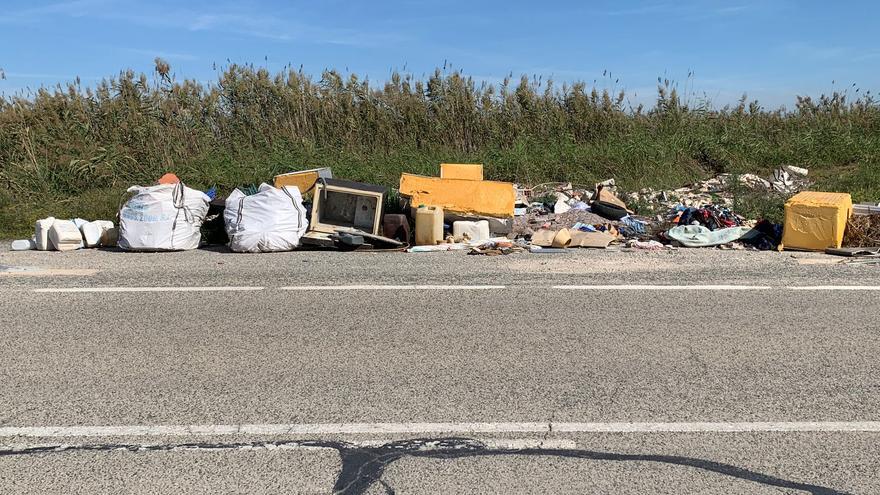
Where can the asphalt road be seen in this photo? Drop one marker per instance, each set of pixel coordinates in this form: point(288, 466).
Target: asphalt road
point(541, 383)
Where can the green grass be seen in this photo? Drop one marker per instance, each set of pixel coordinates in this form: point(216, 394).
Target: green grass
point(72, 151)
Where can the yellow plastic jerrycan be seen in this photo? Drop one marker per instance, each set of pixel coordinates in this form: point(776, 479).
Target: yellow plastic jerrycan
point(429, 225)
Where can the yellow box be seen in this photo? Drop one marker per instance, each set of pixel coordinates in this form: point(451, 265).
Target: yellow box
point(815, 221)
point(303, 179)
point(468, 171)
point(462, 196)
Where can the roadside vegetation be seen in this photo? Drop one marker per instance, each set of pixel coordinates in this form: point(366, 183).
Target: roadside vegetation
point(72, 151)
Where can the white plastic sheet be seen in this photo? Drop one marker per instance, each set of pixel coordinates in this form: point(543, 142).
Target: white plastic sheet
point(166, 217)
point(274, 219)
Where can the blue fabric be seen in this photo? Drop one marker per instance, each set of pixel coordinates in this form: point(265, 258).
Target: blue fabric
point(632, 227)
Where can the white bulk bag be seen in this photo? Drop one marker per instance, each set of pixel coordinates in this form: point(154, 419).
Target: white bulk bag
point(166, 217)
point(272, 220)
point(65, 236)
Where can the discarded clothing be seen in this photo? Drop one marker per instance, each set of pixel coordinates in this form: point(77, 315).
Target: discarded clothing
point(767, 236)
point(712, 216)
point(631, 227)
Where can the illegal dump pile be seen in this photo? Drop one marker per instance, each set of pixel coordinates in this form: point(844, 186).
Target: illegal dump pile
point(460, 210)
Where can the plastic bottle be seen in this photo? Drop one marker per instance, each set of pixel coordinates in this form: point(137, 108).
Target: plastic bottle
point(23, 245)
point(429, 225)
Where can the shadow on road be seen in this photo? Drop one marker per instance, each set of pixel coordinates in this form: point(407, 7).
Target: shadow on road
point(364, 466)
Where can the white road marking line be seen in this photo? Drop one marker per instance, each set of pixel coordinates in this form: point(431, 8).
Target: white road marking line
point(662, 287)
point(392, 287)
point(52, 272)
point(433, 428)
point(721, 427)
point(457, 287)
point(145, 289)
point(836, 287)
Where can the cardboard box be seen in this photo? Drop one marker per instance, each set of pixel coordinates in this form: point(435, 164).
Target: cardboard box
point(466, 171)
point(591, 239)
point(303, 179)
point(815, 221)
point(466, 197)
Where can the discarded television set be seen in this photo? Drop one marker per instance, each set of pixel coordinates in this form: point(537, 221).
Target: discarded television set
point(342, 204)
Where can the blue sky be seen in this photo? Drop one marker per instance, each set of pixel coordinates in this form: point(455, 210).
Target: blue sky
point(771, 49)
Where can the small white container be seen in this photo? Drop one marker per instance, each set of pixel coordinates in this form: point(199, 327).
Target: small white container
point(475, 231)
point(23, 245)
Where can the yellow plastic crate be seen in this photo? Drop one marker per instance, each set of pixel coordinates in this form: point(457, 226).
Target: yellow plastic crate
point(815, 221)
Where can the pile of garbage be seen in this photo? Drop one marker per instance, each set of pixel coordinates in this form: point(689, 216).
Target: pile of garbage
point(721, 189)
point(55, 234)
point(459, 210)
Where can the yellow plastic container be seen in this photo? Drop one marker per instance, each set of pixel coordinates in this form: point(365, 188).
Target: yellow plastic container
point(466, 171)
point(815, 221)
point(429, 225)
